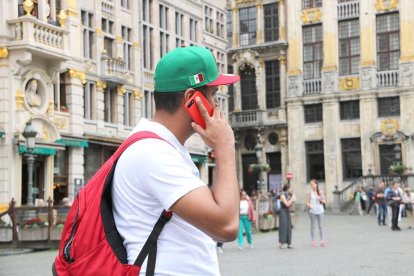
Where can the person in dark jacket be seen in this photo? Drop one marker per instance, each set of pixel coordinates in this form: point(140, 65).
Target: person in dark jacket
point(394, 197)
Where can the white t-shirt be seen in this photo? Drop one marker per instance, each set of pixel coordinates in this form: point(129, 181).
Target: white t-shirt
point(244, 207)
point(151, 175)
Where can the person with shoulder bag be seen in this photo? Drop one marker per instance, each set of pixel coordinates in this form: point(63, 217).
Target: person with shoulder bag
point(394, 201)
point(408, 199)
point(285, 221)
point(314, 201)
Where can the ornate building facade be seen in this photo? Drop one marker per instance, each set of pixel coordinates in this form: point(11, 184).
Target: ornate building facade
point(257, 51)
point(82, 73)
point(350, 90)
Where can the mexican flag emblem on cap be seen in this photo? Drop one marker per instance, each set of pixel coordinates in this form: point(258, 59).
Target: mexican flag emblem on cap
point(196, 79)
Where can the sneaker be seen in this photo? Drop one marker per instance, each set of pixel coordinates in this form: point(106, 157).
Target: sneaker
point(313, 243)
point(240, 247)
point(251, 245)
point(219, 250)
point(323, 244)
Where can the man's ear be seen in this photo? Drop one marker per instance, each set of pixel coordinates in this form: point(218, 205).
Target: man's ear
point(188, 93)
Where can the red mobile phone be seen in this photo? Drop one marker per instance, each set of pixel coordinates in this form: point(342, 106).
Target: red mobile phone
point(194, 112)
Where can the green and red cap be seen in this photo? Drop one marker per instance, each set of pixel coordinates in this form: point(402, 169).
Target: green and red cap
point(189, 67)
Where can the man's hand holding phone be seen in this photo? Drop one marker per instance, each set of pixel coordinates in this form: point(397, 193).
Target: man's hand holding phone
point(217, 132)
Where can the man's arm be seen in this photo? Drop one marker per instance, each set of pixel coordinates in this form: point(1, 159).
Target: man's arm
point(215, 211)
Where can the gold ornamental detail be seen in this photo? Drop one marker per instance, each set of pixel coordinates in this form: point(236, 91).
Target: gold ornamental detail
point(100, 86)
point(244, 1)
point(50, 108)
point(349, 83)
point(60, 122)
point(311, 15)
point(19, 99)
point(78, 75)
point(62, 18)
point(389, 127)
point(3, 52)
point(386, 5)
point(121, 90)
point(138, 94)
point(28, 6)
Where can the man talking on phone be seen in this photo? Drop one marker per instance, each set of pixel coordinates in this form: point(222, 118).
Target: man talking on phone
point(153, 175)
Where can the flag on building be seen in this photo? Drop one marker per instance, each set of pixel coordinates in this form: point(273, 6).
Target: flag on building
point(196, 79)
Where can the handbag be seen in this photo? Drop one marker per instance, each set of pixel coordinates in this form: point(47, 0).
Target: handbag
point(408, 206)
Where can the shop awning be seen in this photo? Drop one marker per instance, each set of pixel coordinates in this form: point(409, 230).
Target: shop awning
point(198, 158)
point(73, 142)
point(37, 150)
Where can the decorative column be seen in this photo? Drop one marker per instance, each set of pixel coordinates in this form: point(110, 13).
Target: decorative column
point(100, 90)
point(236, 90)
point(368, 113)
point(137, 105)
point(406, 12)
point(368, 49)
point(260, 23)
point(282, 80)
point(331, 141)
point(260, 85)
point(120, 109)
point(236, 26)
point(330, 46)
point(294, 36)
point(282, 18)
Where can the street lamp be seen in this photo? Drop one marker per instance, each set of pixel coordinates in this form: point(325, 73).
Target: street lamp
point(30, 133)
point(258, 148)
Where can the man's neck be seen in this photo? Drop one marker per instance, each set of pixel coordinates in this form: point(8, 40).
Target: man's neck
point(175, 124)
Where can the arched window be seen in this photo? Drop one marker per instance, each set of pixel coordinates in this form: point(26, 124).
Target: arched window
point(248, 88)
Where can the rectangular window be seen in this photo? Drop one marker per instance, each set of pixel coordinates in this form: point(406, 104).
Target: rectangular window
point(148, 47)
point(89, 100)
point(220, 62)
point(220, 24)
point(351, 158)
point(193, 31)
point(125, 4)
point(230, 91)
point(388, 41)
point(229, 25)
point(313, 113)
point(312, 52)
point(60, 93)
point(271, 24)
point(248, 89)
point(248, 26)
point(147, 11)
point(272, 84)
point(164, 36)
point(315, 162)
point(88, 34)
point(60, 174)
point(208, 19)
point(309, 4)
point(389, 106)
point(110, 105)
point(349, 47)
point(95, 157)
point(349, 110)
point(128, 108)
point(127, 48)
point(148, 102)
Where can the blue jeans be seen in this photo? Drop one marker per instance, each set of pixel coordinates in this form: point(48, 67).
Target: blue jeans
point(382, 213)
point(247, 226)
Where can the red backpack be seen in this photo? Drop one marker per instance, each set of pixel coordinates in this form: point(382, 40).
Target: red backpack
point(90, 243)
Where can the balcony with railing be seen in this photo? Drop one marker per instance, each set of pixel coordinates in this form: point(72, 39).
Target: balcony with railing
point(255, 118)
point(348, 9)
point(108, 8)
point(387, 78)
point(148, 79)
point(28, 31)
point(113, 69)
point(312, 87)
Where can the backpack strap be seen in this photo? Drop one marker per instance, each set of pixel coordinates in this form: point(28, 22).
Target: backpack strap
point(150, 247)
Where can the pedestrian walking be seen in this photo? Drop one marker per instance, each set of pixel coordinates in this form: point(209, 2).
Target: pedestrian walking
point(285, 220)
point(358, 201)
point(153, 175)
point(371, 198)
point(314, 202)
point(247, 217)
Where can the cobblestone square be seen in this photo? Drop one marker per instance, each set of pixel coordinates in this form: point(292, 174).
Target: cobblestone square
point(356, 245)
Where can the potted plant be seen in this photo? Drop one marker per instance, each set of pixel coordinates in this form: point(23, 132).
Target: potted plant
point(56, 230)
point(33, 230)
point(397, 169)
point(257, 168)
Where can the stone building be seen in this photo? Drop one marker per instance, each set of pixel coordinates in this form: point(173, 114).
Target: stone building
point(350, 90)
point(82, 73)
point(257, 51)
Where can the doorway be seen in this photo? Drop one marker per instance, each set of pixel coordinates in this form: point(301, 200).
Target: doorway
point(389, 155)
point(249, 178)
